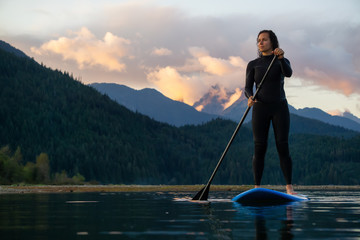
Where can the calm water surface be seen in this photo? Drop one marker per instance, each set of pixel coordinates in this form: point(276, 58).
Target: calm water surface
point(329, 215)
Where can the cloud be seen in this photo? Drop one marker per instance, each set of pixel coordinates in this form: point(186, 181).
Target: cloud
point(202, 50)
point(200, 72)
point(233, 98)
point(161, 52)
point(221, 67)
point(221, 96)
point(202, 61)
point(215, 50)
point(327, 57)
point(215, 66)
point(332, 80)
point(88, 51)
point(335, 113)
point(174, 85)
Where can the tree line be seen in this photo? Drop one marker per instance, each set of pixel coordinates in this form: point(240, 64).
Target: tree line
point(12, 170)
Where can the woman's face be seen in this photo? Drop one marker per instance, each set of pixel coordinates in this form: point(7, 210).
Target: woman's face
point(264, 44)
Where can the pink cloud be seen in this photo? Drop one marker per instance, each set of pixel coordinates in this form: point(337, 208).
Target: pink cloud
point(161, 52)
point(332, 80)
point(88, 51)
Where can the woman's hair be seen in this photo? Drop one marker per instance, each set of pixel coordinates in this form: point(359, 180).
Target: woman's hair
point(273, 39)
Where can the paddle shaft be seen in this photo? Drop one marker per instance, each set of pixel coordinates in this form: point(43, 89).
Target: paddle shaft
point(204, 192)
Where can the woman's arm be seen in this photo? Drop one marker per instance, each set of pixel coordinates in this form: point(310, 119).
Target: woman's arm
point(250, 79)
point(284, 63)
point(249, 84)
point(285, 67)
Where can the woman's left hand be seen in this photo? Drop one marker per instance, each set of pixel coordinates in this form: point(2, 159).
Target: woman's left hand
point(279, 52)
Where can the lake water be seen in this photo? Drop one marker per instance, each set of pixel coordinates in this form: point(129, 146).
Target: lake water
point(329, 215)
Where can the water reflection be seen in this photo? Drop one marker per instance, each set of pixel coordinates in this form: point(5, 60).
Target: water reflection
point(285, 226)
point(162, 216)
point(249, 222)
point(282, 213)
point(217, 225)
point(288, 224)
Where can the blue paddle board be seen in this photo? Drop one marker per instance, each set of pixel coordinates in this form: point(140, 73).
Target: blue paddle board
point(263, 196)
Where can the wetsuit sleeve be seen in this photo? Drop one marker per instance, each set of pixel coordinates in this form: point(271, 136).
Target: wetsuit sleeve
point(250, 79)
point(285, 67)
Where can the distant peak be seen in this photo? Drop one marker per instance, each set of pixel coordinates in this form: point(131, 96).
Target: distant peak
point(8, 48)
point(217, 99)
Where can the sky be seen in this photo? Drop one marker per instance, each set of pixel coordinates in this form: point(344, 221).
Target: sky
point(183, 48)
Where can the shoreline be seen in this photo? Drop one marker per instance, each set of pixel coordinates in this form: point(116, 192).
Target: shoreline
point(21, 189)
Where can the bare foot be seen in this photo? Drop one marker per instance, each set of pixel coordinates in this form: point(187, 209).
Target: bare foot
point(290, 189)
point(257, 186)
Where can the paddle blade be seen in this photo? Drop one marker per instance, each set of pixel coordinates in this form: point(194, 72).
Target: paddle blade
point(203, 194)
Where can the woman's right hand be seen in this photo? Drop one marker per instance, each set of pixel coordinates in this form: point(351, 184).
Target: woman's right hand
point(251, 101)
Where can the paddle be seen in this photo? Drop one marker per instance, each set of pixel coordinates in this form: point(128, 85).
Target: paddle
point(204, 192)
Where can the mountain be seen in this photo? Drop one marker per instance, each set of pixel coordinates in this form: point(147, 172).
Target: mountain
point(299, 124)
point(318, 114)
point(213, 102)
point(237, 109)
point(8, 48)
point(154, 104)
point(82, 131)
point(216, 102)
point(351, 117)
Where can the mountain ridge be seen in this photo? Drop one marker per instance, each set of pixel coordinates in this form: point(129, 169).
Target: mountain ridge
point(316, 113)
point(154, 104)
point(7, 47)
point(165, 108)
point(235, 111)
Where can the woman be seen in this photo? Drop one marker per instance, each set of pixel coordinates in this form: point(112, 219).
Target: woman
point(270, 105)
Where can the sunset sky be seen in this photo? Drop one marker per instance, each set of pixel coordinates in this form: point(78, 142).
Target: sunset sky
point(183, 48)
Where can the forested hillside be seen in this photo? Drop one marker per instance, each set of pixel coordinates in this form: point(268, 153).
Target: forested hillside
point(84, 132)
point(81, 130)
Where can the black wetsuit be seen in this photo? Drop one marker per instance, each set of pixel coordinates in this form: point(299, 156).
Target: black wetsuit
point(271, 106)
